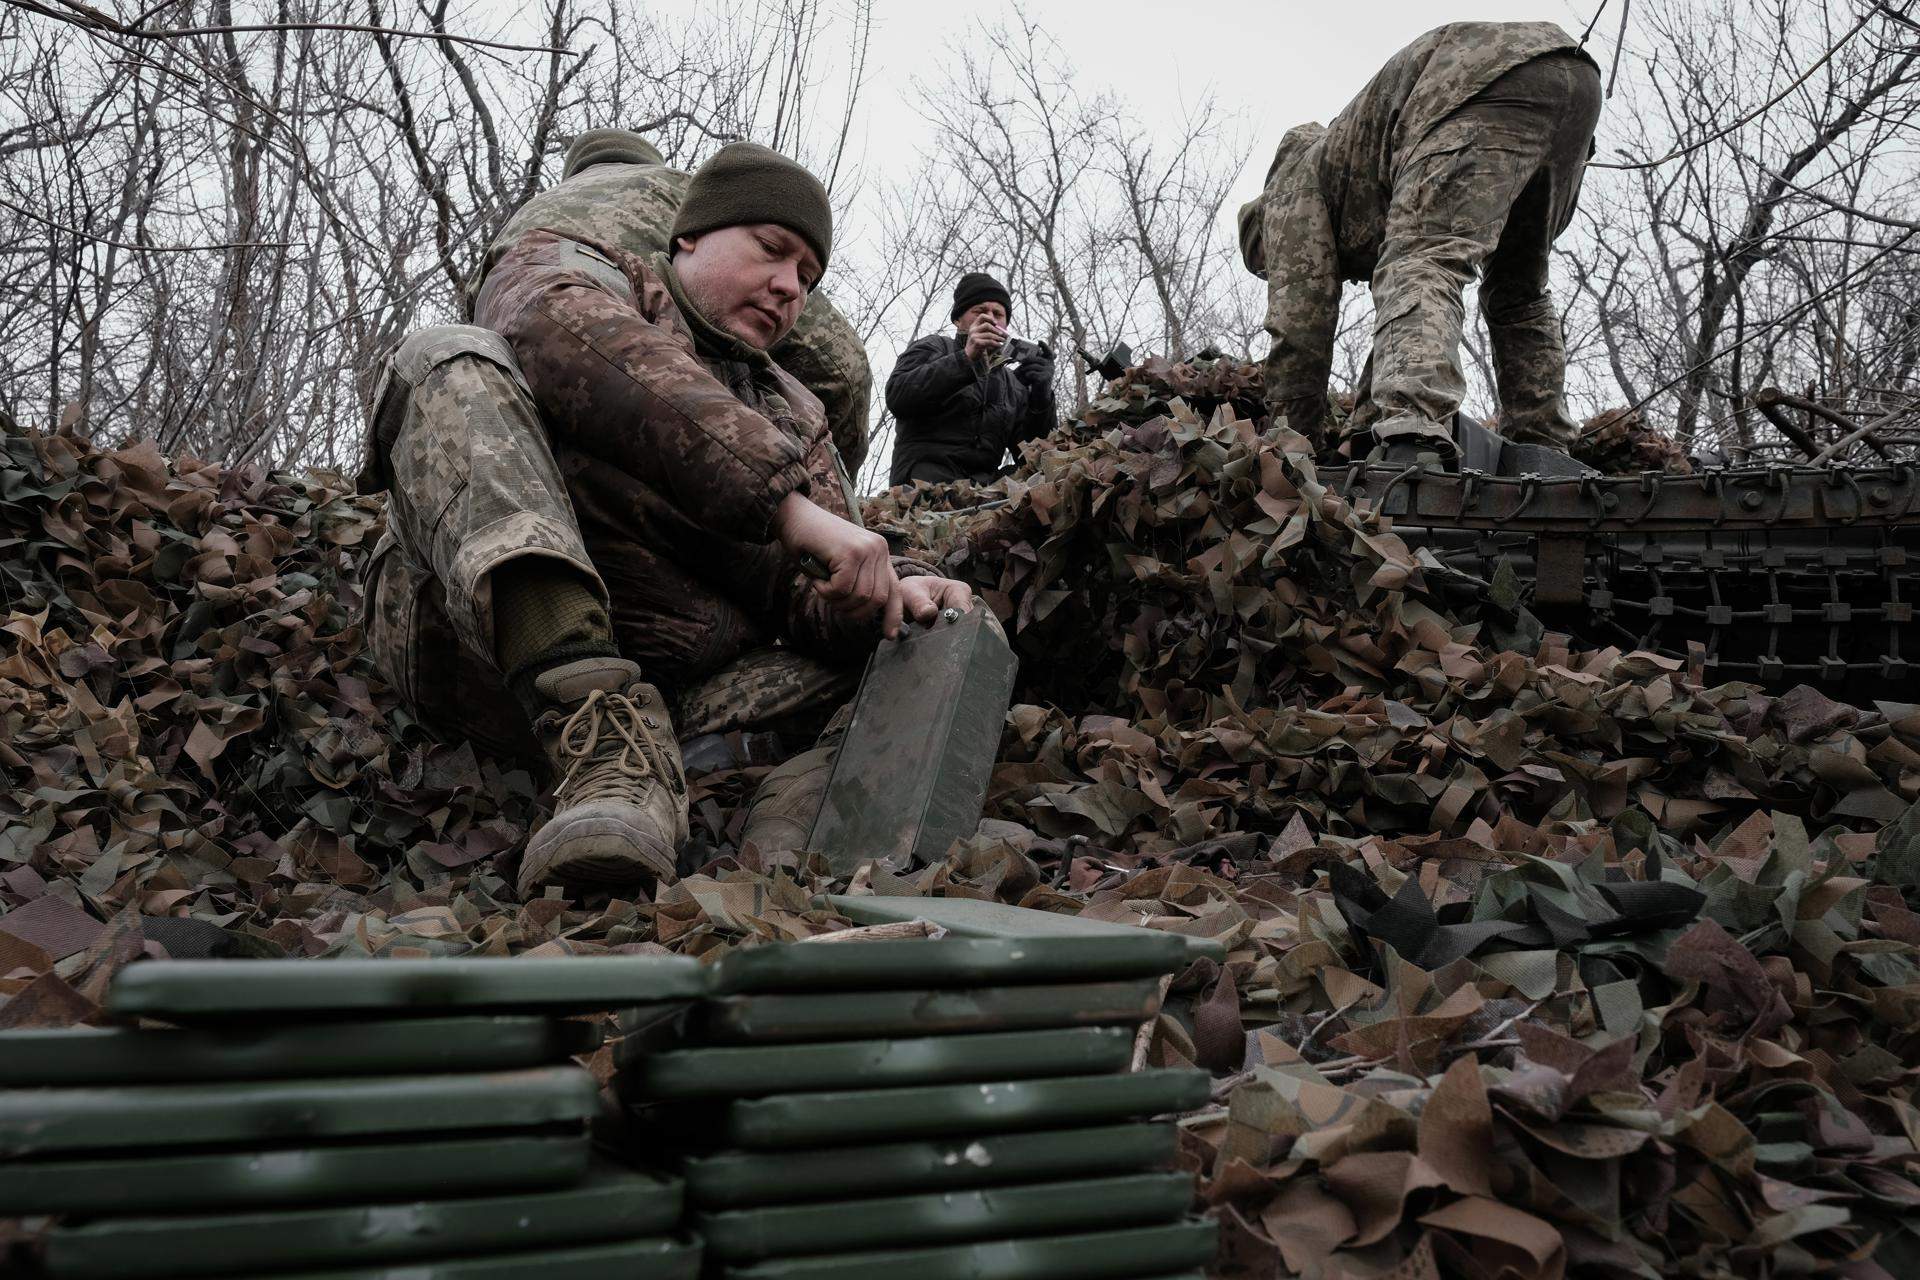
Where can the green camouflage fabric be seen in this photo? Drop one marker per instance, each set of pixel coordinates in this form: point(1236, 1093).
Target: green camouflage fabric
point(493, 442)
point(458, 446)
point(1463, 155)
point(632, 207)
point(768, 689)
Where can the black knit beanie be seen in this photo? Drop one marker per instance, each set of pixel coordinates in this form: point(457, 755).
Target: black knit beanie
point(745, 182)
point(977, 287)
point(608, 146)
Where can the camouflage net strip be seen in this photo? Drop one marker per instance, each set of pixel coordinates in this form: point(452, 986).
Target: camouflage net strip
point(1541, 962)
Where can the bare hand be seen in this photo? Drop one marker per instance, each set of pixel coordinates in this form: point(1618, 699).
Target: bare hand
point(984, 339)
point(860, 579)
point(923, 598)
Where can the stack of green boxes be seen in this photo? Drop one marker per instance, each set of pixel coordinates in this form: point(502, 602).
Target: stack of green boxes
point(337, 1118)
point(933, 1109)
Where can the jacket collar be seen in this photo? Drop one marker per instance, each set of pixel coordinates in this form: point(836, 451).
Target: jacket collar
point(709, 339)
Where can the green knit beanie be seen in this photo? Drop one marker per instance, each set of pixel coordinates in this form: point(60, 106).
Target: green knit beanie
point(745, 182)
point(608, 146)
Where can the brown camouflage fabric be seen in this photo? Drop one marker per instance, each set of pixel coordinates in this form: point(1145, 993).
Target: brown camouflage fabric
point(632, 207)
point(495, 445)
point(1464, 155)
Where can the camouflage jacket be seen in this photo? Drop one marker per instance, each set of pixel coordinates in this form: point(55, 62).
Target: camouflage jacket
point(1322, 217)
point(671, 433)
point(632, 207)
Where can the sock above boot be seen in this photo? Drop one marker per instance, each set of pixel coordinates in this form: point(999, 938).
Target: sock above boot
point(544, 615)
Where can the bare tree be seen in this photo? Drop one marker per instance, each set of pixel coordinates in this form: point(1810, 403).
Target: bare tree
point(1716, 256)
point(214, 219)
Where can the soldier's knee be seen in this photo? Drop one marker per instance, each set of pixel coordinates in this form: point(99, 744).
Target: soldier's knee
point(405, 399)
point(1511, 307)
point(424, 350)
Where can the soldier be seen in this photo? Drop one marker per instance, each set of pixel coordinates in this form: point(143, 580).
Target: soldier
point(1464, 154)
point(614, 471)
point(963, 401)
point(615, 187)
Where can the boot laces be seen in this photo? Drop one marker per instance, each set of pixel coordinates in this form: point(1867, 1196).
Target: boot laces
point(606, 747)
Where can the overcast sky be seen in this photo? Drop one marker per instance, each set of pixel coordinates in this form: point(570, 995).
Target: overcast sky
point(1272, 64)
point(1275, 64)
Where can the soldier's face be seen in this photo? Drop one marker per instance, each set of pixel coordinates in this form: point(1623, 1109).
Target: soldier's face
point(750, 280)
point(992, 312)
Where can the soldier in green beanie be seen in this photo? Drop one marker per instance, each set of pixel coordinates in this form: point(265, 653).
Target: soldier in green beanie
point(610, 474)
point(615, 188)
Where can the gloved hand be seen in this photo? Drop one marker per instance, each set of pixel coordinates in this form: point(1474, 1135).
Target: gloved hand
point(1037, 370)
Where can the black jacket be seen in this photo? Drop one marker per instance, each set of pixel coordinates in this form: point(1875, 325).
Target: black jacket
point(955, 419)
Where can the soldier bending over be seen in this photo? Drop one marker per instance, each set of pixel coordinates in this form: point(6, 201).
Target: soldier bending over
point(1463, 155)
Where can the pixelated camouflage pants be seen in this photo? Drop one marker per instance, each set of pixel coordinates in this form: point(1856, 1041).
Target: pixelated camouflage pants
point(1487, 191)
point(474, 484)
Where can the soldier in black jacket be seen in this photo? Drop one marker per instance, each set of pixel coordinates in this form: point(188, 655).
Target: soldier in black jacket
point(961, 402)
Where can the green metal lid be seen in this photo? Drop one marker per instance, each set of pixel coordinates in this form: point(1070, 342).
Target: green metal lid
point(285, 1112)
point(228, 1180)
point(96, 1055)
point(879, 1115)
point(737, 1179)
point(839, 1015)
point(1105, 1255)
point(871, 1064)
point(948, 962)
point(612, 1204)
point(979, 918)
point(657, 1259)
point(750, 1235)
point(283, 990)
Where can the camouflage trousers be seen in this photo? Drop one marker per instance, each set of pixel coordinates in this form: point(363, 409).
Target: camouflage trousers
point(473, 484)
point(1488, 191)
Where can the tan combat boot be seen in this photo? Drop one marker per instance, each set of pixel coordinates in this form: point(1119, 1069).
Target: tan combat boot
point(781, 814)
point(620, 798)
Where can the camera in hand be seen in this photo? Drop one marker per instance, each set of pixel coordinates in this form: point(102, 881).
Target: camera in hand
point(1022, 350)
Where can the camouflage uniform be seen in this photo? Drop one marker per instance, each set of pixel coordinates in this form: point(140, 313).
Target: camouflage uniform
point(598, 421)
point(632, 207)
point(1463, 155)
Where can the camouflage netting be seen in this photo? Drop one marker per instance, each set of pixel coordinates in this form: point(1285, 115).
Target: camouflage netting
point(1541, 962)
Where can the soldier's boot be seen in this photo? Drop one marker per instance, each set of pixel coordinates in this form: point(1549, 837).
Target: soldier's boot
point(781, 814)
point(620, 800)
point(1422, 453)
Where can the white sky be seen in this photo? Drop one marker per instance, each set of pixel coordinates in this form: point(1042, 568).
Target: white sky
point(1274, 65)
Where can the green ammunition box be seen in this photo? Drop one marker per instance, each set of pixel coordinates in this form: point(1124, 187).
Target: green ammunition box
point(229, 1180)
point(872, 1064)
point(285, 1112)
point(881, 1115)
point(738, 1179)
point(907, 964)
point(750, 1235)
point(913, 768)
point(284, 990)
point(1103, 1255)
point(975, 918)
point(768, 1019)
point(657, 1259)
point(96, 1055)
point(612, 1204)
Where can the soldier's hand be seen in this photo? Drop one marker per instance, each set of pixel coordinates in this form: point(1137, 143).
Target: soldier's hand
point(859, 567)
point(922, 599)
point(984, 339)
